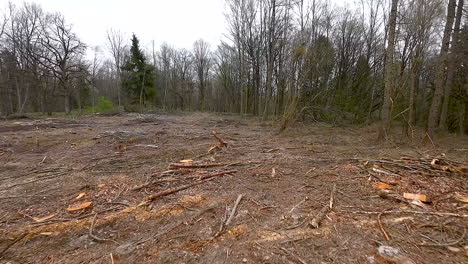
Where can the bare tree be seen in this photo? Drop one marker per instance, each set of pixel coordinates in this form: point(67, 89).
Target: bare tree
point(389, 73)
point(202, 63)
point(182, 65)
point(116, 46)
point(64, 50)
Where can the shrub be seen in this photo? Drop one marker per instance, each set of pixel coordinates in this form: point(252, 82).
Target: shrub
point(103, 106)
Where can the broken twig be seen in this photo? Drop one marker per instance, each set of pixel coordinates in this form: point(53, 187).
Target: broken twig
point(227, 222)
point(408, 212)
point(381, 226)
point(234, 209)
point(183, 187)
point(173, 166)
point(315, 223)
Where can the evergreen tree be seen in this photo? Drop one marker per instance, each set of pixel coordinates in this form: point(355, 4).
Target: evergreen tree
point(140, 78)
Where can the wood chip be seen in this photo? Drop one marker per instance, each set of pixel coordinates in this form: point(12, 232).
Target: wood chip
point(381, 185)
point(461, 198)
point(79, 206)
point(42, 219)
point(415, 196)
point(81, 195)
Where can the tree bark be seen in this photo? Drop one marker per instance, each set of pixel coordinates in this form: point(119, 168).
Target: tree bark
point(452, 65)
point(415, 72)
point(389, 74)
point(434, 111)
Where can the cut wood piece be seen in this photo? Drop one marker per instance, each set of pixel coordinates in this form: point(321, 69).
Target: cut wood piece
point(186, 161)
point(79, 206)
point(381, 185)
point(79, 196)
point(416, 196)
point(461, 198)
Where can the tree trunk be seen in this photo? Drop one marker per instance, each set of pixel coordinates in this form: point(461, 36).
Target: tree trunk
point(434, 111)
point(415, 72)
point(389, 74)
point(452, 65)
point(67, 104)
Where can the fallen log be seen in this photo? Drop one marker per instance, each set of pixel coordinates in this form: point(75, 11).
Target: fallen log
point(202, 179)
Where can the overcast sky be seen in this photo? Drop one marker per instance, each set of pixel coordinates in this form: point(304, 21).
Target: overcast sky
point(177, 22)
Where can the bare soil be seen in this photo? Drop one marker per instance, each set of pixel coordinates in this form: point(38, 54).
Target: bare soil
point(46, 164)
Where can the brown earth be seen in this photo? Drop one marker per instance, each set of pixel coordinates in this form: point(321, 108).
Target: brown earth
point(285, 179)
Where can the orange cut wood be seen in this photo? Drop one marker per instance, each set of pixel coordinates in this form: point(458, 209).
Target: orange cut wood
point(415, 196)
point(79, 206)
point(461, 198)
point(186, 161)
point(381, 185)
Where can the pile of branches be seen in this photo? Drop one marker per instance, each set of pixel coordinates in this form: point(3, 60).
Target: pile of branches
point(434, 167)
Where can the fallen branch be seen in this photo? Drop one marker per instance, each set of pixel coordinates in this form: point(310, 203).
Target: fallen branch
point(234, 209)
point(295, 206)
point(315, 223)
point(139, 187)
point(408, 212)
point(193, 166)
point(222, 143)
point(183, 187)
point(226, 222)
point(381, 226)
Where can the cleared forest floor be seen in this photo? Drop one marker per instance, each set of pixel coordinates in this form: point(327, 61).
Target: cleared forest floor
point(110, 166)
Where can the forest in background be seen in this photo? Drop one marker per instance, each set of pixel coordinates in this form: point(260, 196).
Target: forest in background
point(395, 60)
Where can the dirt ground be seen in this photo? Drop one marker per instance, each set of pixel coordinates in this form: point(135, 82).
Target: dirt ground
point(110, 165)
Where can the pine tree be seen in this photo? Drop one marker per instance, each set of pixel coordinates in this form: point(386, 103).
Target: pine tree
point(140, 78)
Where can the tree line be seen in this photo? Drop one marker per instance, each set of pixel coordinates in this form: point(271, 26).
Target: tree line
point(378, 60)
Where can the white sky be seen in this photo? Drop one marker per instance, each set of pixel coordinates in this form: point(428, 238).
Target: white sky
point(177, 22)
